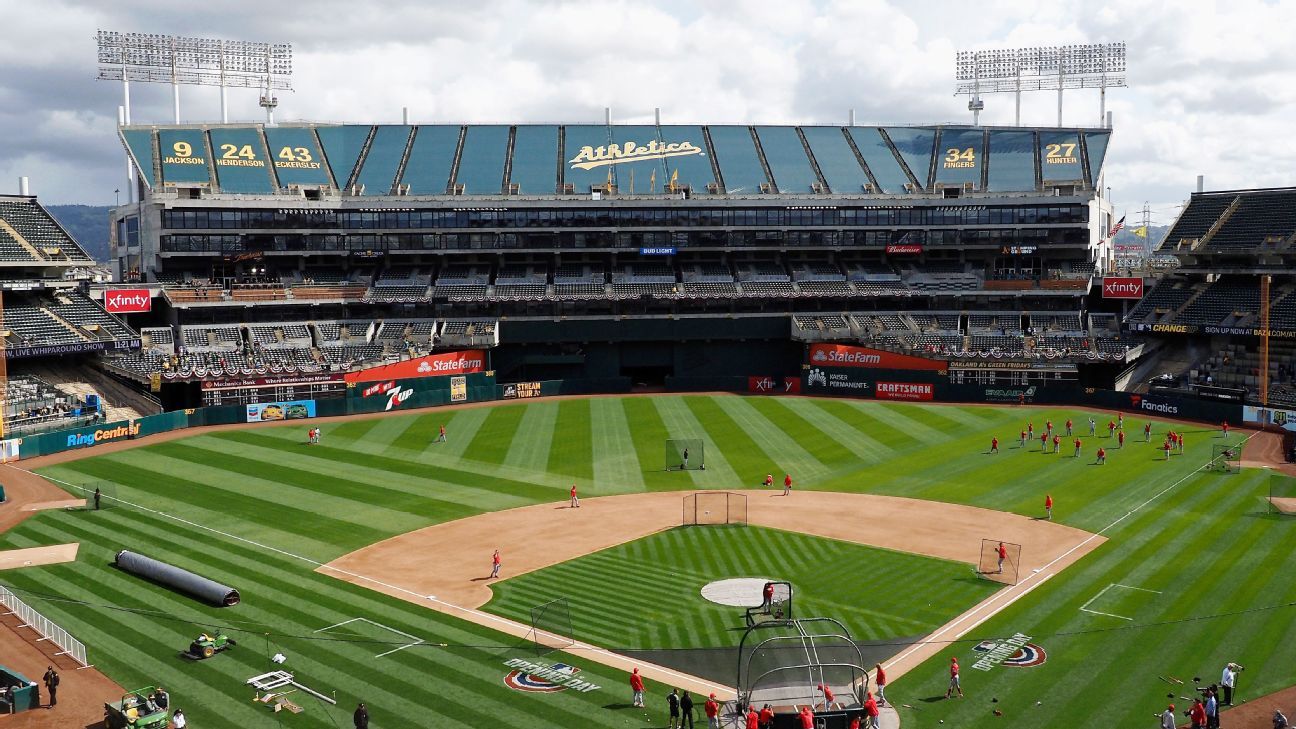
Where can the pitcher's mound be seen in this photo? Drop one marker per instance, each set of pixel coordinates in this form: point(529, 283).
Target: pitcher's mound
point(737, 592)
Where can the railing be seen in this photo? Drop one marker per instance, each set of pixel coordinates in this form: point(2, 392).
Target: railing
point(50, 631)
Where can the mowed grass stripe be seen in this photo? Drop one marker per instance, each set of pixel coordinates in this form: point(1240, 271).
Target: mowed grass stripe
point(530, 453)
point(681, 423)
point(781, 440)
point(616, 468)
point(570, 452)
point(648, 437)
point(492, 440)
point(867, 423)
point(858, 446)
point(738, 446)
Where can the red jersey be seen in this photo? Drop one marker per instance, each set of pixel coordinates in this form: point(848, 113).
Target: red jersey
point(1068, 422)
point(1056, 440)
point(495, 559)
point(1102, 453)
point(443, 430)
point(1049, 425)
point(712, 708)
point(1147, 428)
point(855, 723)
point(768, 591)
point(1048, 502)
point(753, 720)
point(1198, 714)
point(807, 719)
point(766, 715)
point(1003, 554)
point(787, 480)
point(880, 679)
point(1226, 427)
point(953, 669)
point(1121, 436)
point(573, 491)
point(1044, 438)
point(828, 694)
point(870, 706)
point(1077, 442)
point(636, 681)
point(1023, 435)
point(994, 442)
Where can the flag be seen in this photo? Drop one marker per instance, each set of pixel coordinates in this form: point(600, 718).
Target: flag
point(652, 182)
point(1141, 231)
point(1120, 224)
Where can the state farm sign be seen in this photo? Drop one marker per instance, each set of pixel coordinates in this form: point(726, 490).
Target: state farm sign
point(127, 301)
point(1122, 287)
point(433, 365)
point(841, 355)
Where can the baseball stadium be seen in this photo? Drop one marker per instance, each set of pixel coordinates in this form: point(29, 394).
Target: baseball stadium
point(523, 424)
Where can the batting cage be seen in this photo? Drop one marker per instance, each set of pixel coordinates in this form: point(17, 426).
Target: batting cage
point(714, 507)
point(1282, 494)
point(777, 607)
point(1000, 561)
point(685, 455)
point(107, 495)
point(807, 662)
point(551, 626)
point(1225, 457)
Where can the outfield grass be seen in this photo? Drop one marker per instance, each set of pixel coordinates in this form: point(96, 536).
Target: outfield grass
point(1205, 545)
point(657, 580)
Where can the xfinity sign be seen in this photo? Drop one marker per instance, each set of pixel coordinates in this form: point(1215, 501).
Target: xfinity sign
point(1122, 287)
point(128, 301)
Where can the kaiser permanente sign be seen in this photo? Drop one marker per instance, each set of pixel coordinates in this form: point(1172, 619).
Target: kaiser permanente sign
point(841, 355)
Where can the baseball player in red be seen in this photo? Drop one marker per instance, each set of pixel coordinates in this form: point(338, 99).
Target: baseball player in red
point(575, 500)
point(871, 711)
point(767, 595)
point(766, 717)
point(1048, 506)
point(1224, 425)
point(1043, 442)
point(1120, 439)
point(1030, 431)
point(1057, 444)
point(1147, 432)
point(495, 565)
point(828, 695)
point(954, 679)
point(1111, 428)
point(1120, 420)
point(1167, 450)
point(1022, 444)
point(807, 718)
point(712, 709)
point(1068, 426)
point(1002, 551)
point(441, 438)
point(1048, 427)
point(994, 445)
point(1180, 439)
point(637, 686)
point(880, 680)
point(787, 484)
point(1077, 447)
point(1102, 456)
point(753, 719)
point(769, 480)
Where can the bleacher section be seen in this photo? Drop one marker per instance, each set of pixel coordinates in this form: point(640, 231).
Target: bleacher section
point(28, 234)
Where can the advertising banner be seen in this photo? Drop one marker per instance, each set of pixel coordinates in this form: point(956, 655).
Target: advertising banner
point(904, 249)
point(1285, 419)
point(1122, 287)
point(842, 355)
point(838, 382)
point(791, 385)
point(128, 301)
point(924, 391)
point(270, 411)
point(433, 365)
point(458, 389)
point(521, 390)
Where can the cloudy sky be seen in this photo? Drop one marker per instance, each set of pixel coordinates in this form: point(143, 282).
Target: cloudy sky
point(1213, 85)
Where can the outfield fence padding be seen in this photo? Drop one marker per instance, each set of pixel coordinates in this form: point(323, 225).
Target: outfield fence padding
point(48, 629)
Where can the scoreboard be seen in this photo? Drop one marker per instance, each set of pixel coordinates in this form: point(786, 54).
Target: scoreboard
point(249, 391)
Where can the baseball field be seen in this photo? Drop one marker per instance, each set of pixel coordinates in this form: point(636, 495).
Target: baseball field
point(1193, 572)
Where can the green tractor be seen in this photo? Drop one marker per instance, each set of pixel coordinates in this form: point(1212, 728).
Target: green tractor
point(206, 646)
point(138, 709)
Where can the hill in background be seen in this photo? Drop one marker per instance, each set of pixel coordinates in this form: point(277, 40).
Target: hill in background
point(87, 224)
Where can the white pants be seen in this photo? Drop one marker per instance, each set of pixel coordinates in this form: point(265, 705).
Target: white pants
point(575, 501)
point(638, 698)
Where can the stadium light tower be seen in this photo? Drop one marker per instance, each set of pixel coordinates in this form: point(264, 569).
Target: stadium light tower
point(176, 60)
point(1046, 68)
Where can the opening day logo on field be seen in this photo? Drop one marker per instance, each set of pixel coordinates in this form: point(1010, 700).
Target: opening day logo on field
point(1016, 652)
point(542, 678)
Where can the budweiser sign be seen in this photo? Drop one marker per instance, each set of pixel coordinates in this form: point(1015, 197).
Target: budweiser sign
point(128, 301)
point(905, 249)
point(1122, 287)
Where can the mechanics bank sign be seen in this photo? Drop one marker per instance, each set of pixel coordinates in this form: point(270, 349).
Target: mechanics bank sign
point(614, 154)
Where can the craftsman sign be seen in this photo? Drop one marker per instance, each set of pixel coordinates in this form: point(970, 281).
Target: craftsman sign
point(537, 677)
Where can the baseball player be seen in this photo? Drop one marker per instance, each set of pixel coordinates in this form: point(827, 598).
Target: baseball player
point(1022, 444)
point(954, 679)
point(1057, 444)
point(1068, 427)
point(1048, 427)
point(685, 464)
point(1111, 428)
point(1002, 551)
point(1167, 450)
point(1147, 432)
point(769, 480)
point(1093, 427)
point(441, 438)
point(787, 484)
point(1120, 420)
point(1102, 456)
point(1179, 438)
point(575, 500)
point(712, 709)
point(994, 445)
point(1048, 506)
point(1077, 448)
point(1043, 442)
point(637, 686)
point(767, 595)
point(828, 695)
point(1120, 439)
point(1224, 427)
point(1030, 431)
point(495, 565)
point(880, 680)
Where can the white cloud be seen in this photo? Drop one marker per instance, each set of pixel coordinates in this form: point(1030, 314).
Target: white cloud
point(1212, 86)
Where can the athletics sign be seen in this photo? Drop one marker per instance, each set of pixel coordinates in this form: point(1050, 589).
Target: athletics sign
point(614, 154)
point(841, 355)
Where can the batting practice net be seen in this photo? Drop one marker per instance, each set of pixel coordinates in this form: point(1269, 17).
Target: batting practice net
point(789, 664)
point(685, 455)
point(1225, 457)
point(1004, 569)
point(779, 606)
point(1282, 494)
point(107, 495)
point(551, 626)
point(715, 507)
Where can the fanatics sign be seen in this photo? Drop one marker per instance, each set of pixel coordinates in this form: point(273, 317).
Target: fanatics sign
point(128, 301)
point(1121, 287)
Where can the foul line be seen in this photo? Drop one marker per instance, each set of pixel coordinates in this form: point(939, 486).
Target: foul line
point(951, 625)
point(479, 617)
point(417, 640)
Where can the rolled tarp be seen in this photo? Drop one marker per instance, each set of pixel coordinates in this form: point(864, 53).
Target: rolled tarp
point(183, 580)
